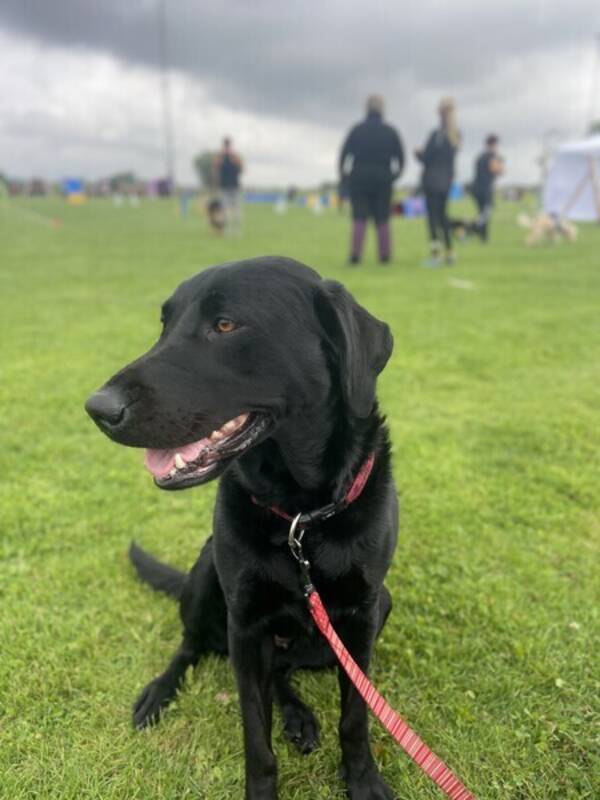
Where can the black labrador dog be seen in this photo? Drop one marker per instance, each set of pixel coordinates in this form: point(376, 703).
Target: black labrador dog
point(265, 374)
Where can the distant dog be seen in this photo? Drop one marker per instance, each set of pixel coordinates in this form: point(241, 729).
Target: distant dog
point(216, 215)
point(463, 228)
point(548, 228)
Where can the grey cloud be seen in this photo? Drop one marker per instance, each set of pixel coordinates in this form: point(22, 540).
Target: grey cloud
point(289, 77)
point(47, 129)
point(310, 60)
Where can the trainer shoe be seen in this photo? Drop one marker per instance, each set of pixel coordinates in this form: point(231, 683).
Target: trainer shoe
point(450, 259)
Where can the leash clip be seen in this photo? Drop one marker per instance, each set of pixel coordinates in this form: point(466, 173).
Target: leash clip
point(295, 541)
point(295, 545)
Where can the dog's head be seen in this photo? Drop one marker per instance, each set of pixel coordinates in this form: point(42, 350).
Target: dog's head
point(245, 347)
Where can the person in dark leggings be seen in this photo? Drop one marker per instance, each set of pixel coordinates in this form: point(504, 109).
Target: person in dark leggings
point(487, 168)
point(371, 159)
point(437, 158)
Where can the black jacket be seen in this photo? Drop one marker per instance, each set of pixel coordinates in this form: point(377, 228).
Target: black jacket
point(483, 182)
point(376, 150)
point(438, 162)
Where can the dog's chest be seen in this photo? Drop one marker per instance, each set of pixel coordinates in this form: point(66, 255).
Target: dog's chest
point(276, 602)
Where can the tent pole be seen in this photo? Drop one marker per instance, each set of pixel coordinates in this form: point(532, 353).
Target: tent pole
point(575, 196)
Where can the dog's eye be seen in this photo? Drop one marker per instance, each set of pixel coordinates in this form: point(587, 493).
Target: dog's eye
point(224, 325)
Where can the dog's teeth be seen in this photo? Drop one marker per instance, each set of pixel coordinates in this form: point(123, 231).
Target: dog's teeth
point(173, 473)
point(216, 435)
point(229, 426)
point(179, 462)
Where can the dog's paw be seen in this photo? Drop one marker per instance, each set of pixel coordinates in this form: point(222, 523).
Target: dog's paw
point(368, 786)
point(261, 789)
point(153, 699)
point(301, 727)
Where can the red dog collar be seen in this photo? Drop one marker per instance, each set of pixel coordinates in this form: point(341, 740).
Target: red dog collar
point(331, 509)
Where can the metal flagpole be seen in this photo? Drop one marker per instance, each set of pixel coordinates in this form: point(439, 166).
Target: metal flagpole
point(165, 92)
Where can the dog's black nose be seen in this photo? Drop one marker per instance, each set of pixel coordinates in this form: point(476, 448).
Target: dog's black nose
point(107, 407)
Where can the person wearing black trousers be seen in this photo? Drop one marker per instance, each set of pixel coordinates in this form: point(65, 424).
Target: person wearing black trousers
point(487, 168)
point(371, 159)
point(437, 158)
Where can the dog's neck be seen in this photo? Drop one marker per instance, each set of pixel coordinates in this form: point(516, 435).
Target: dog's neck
point(310, 461)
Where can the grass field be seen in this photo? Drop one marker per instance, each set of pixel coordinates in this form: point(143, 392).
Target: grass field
point(493, 398)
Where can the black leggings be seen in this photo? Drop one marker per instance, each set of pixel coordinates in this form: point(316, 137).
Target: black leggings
point(484, 206)
point(437, 216)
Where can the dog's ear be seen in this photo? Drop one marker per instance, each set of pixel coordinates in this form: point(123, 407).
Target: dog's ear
point(360, 345)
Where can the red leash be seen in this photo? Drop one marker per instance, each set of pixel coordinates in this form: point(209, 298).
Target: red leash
point(410, 742)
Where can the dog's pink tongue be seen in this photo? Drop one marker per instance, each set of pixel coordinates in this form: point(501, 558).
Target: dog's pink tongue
point(161, 462)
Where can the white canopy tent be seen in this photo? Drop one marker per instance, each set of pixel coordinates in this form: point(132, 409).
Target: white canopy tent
point(572, 186)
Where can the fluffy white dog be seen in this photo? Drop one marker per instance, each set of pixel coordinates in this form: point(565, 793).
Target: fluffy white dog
point(547, 228)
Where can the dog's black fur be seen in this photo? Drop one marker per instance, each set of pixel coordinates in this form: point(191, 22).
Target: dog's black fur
point(306, 356)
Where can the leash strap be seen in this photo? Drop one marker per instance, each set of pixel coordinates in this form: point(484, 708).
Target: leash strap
point(408, 740)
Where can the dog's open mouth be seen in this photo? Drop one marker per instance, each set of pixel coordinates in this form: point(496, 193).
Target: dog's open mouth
point(197, 462)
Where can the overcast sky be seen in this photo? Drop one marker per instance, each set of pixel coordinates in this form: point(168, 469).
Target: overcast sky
point(80, 85)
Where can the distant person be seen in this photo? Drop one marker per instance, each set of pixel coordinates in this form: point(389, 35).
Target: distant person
point(4, 190)
point(227, 168)
point(186, 195)
point(488, 166)
point(437, 158)
point(371, 159)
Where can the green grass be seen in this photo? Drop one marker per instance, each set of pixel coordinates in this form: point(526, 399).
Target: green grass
point(492, 396)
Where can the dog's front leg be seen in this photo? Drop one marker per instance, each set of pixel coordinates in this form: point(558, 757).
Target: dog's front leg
point(253, 658)
point(363, 781)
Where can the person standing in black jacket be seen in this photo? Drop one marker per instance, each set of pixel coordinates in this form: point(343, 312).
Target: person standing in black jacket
point(371, 159)
point(437, 158)
point(227, 168)
point(488, 167)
